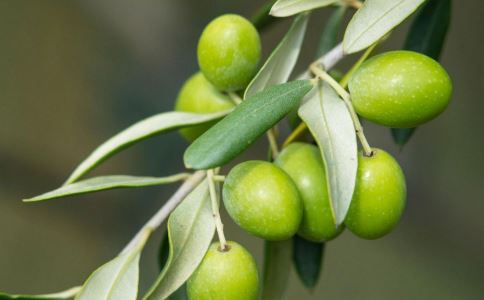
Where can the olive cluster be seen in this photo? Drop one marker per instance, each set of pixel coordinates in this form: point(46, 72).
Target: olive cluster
point(275, 201)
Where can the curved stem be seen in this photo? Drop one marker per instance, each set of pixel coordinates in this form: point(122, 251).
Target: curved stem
point(160, 216)
point(295, 134)
point(271, 136)
point(215, 210)
point(346, 98)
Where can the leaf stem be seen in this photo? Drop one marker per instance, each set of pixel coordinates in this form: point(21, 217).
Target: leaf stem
point(316, 69)
point(160, 216)
point(215, 210)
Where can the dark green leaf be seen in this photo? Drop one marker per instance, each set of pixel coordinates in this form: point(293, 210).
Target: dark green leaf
point(308, 260)
point(237, 131)
point(190, 230)
point(277, 263)
point(68, 294)
point(139, 131)
point(103, 183)
point(262, 19)
point(427, 36)
point(330, 36)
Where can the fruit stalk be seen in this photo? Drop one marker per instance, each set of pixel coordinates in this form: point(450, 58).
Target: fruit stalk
point(215, 210)
point(316, 69)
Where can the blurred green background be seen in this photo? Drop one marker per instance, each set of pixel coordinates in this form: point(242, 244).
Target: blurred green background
point(73, 73)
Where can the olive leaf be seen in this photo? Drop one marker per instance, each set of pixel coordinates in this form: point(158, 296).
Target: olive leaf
point(426, 35)
point(117, 279)
point(238, 130)
point(330, 123)
point(277, 262)
point(282, 60)
point(139, 131)
point(67, 294)
point(308, 260)
point(285, 8)
point(374, 20)
point(190, 230)
point(330, 36)
point(181, 292)
point(103, 183)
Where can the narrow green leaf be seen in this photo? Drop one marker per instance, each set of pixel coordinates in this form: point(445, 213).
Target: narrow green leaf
point(285, 8)
point(252, 118)
point(282, 60)
point(426, 35)
point(139, 131)
point(117, 279)
point(330, 36)
point(262, 19)
point(331, 125)
point(181, 292)
point(190, 230)
point(277, 263)
point(103, 183)
point(374, 20)
point(67, 294)
point(308, 260)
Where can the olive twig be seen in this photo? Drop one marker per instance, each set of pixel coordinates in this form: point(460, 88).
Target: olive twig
point(357, 4)
point(316, 69)
point(215, 210)
point(160, 216)
point(219, 178)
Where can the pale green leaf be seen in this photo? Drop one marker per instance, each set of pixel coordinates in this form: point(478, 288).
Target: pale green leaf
point(139, 131)
point(67, 294)
point(277, 262)
point(103, 183)
point(117, 279)
point(330, 123)
point(282, 60)
point(374, 20)
point(285, 8)
point(190, 230)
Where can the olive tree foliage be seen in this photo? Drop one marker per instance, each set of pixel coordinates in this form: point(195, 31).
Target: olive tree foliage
point(273, 94)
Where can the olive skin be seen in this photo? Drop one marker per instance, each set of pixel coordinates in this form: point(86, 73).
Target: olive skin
point(303, 163)
point(229, 274)
point(379, 197)
point(229, 51)
point(263, 200)
point(400, 89)
point(198, 95)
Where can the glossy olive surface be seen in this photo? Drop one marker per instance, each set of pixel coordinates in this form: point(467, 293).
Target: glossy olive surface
point(379, 198)
point(263, 200)
point(303, 163)
point(229, 51)
point(229, 274)
point(400, 89)
point(197, 95)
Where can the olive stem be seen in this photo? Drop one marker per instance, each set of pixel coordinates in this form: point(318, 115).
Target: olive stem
point(316, 69)
point(235, 98)
point(215, 210)
point(271, 136)
point(357, 4)
point(160, 216)
point(300, 129)
point(219, 178)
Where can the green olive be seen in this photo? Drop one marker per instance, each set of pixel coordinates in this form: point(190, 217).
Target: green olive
point(263, 200)
point(303, 163)
point(199, 96)
point(379, 197)
point(400, 89)
point(229, 51)
point(229, 274)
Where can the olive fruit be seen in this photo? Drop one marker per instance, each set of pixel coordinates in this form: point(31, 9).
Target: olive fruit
point(303, 163)
point(379, 197)
point(225, 274)
point(400, 89)
point(200, 96)
point(263, 200)
point(229, 51)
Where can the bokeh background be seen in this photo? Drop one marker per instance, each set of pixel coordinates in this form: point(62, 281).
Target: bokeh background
point(73, 73)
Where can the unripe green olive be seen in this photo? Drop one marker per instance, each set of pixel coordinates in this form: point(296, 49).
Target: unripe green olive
point(400, 89)
point(200, 96)
point(229, 51)
point(379, 197)
point(303, 163)
point(228, 274)
point(263, 200)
